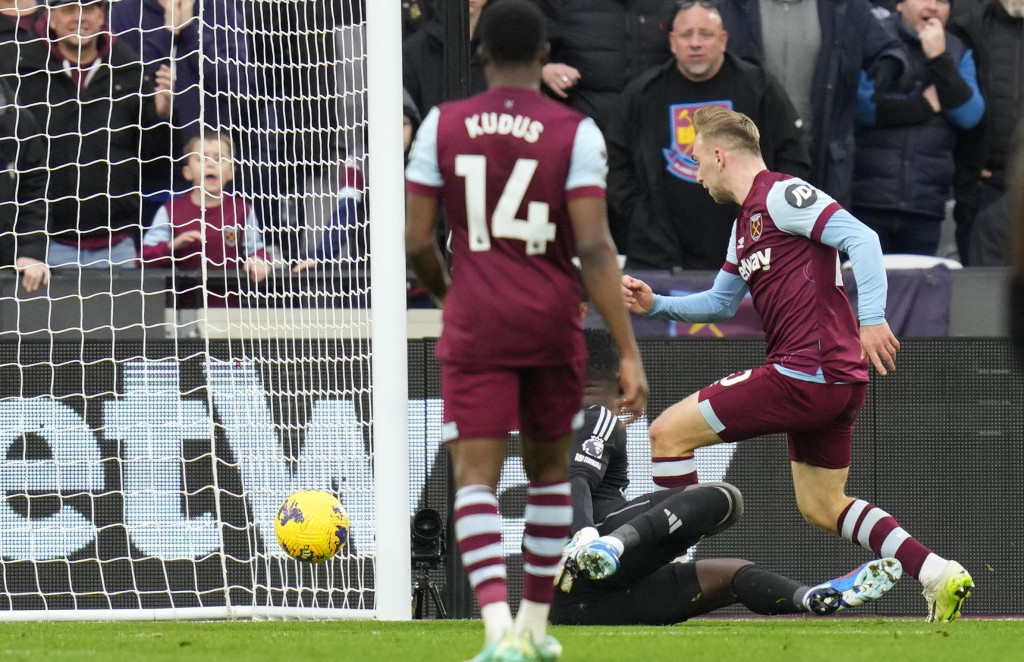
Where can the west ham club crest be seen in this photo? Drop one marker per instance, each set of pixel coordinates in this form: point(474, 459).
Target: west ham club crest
point(755, 227)
point(679, 157)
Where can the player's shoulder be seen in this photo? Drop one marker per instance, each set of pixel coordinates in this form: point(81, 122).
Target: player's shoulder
point(788, 194)
point(598, 421)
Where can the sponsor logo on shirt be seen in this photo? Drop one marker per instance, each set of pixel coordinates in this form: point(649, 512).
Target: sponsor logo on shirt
point(801, 196)
point(590, 462)
point(755, 261)
point(594, 447)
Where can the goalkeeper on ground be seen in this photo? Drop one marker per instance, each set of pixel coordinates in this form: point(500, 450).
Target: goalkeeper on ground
point(648, 587)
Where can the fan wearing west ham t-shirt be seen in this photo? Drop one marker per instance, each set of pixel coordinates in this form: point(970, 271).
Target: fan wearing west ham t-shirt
point(522, 179)
point(784, 252)
point(207, 224)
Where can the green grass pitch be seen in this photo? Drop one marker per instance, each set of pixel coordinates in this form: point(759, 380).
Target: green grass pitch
point(717, 640)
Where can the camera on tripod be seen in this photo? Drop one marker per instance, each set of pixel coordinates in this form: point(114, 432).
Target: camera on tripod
point(428, 551)
point(428, 539)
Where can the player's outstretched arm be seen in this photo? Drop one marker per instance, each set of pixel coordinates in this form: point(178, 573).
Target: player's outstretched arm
point(599, 268)
point(880, 345)
point(639, 295)
point(421, 250)
point(719, 303)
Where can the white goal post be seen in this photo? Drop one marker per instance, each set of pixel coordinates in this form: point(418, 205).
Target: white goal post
point(154, 412)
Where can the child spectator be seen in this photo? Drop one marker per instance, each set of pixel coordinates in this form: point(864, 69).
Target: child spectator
point(206, 221)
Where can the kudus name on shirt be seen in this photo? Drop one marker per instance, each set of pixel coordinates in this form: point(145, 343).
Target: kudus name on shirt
point(755, 261)
point(503, 124)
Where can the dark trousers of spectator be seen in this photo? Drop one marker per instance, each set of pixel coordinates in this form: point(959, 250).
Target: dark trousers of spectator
point(979, 198)
point(987, 242)
point(902, 232)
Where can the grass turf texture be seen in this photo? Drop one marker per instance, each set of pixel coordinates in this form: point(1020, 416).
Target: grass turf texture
point(764, 640)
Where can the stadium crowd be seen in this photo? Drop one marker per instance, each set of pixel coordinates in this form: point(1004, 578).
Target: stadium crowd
point(902, 111)
point(106, 101)
point(896, 109)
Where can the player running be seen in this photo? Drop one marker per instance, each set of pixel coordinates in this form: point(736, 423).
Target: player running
point(648, 532)
point(784, 251)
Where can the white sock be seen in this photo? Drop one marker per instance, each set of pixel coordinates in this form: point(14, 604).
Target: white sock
point(532, 617)
point(497, 621)
point(931, 569)
point(614, 542)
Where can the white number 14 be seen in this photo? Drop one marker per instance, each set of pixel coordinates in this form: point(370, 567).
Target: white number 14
point(535, 230)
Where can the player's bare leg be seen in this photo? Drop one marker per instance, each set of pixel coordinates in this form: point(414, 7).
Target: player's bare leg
point(675, 435)
point(477, 467)
point(822, 500)
point(548, 519)
point(820, 494)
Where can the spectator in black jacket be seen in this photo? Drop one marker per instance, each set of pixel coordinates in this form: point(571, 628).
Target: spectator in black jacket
point(599, 46)
point(994, 29)
point(423, 59)
point(653, 192)
point(18, 43)
point(93, 100)
point(817, 49)
point(906, 138)
point(961, 7)
point(22, 193)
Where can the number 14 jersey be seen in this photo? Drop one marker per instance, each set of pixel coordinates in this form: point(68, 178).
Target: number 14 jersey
point(505, 163)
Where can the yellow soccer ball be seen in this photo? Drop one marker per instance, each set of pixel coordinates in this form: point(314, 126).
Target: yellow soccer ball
point(311, 526)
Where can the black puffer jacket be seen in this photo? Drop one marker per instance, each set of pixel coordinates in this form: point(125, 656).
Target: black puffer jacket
point(610, 42)
point(905, 161)
point(22, 183)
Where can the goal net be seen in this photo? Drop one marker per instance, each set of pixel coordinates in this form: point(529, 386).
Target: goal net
point(226, 325)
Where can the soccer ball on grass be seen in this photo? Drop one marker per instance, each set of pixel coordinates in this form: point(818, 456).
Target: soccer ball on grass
point(311, 526)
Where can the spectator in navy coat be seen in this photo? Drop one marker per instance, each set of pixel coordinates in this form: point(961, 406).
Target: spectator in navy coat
point(906, 137)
